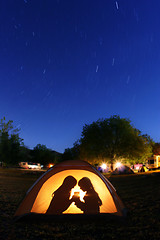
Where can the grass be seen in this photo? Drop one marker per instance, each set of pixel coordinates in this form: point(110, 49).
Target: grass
point(140, 193)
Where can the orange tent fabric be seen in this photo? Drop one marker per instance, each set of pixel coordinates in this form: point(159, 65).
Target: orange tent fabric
point(71, 187)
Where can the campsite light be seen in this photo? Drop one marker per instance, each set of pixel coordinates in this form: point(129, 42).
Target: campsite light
point(118, 164)
point(50, 165)
point(103, 166)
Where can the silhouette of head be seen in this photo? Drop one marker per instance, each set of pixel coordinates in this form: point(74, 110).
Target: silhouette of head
point(69, 182)
point(85, 184)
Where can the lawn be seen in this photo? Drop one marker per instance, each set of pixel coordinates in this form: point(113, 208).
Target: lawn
point(139, 192)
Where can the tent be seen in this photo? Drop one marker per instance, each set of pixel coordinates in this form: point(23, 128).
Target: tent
point(71, 188)
point(123, 170)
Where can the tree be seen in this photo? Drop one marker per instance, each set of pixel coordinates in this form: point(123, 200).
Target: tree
point(71, 153)
point(68, 154)
point(42, 154)
point(9, 142)
point(156, 149)
point(25, 154)
point(113, 139)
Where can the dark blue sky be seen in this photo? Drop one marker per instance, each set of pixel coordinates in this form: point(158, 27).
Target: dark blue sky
point(65, 63)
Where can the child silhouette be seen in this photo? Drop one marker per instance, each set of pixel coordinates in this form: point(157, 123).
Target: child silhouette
point(60, 201)
point(92, 202)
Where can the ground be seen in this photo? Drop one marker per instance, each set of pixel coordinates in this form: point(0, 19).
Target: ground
point(139, 192)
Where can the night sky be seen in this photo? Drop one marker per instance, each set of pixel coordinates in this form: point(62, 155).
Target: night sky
point(67, 63)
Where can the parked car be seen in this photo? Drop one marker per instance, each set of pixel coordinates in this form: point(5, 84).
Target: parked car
point(30, 165)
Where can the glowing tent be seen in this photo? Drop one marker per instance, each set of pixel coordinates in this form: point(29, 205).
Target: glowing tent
point(71, 188)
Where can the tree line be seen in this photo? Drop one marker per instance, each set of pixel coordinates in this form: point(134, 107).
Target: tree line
point(110, 139)
point(13, 150)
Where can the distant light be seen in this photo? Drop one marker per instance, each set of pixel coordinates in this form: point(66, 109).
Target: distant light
point(118, 164)
point(50, 165)
point(103, 166)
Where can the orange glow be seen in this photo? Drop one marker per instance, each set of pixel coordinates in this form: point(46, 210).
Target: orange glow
point(50, 165)
point(77, 189)
point(47, 190)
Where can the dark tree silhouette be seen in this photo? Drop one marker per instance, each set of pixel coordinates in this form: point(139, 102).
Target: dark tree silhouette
point(113, 138)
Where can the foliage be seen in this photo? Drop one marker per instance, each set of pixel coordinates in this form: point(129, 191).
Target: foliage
point(42, 154)
point(71, 153)
point(25, 154)
point(113, 138)
point(156, 149)
point(68, 154)
point(6, 127)
point(10, 142)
